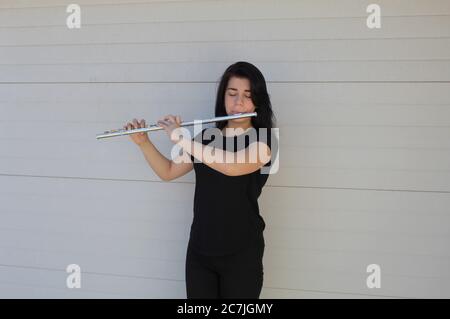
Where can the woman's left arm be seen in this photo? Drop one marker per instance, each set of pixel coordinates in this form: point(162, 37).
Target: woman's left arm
point(242, 162)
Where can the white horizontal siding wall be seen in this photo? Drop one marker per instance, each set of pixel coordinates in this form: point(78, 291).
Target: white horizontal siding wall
point(364, 118)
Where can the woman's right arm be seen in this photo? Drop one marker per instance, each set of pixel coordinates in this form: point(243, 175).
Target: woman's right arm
point(166, 169)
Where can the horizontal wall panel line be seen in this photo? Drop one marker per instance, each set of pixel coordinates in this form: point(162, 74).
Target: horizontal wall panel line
point(267, 185)
point(87, 272)
point(298, 230)
point(227, 61)
point(178, 280)
point(214, 82)
point(4, 103)
point(228, 41)
point(216, 20)
point(298, 126)
point(333, 292)
point(265, 19)
point(268, 245)
point(98, 4)
point(151, 3)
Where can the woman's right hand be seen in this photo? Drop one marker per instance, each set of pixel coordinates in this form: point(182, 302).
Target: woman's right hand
point(138, 138)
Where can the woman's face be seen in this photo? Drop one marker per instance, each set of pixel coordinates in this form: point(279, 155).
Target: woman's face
point(238, 97)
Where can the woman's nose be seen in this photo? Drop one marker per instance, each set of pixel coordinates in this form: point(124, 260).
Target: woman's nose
point(239, 99)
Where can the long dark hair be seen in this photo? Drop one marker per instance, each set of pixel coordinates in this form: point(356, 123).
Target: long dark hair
point(259, 94)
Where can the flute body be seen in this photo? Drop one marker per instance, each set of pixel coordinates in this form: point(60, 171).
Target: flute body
point(148, 128)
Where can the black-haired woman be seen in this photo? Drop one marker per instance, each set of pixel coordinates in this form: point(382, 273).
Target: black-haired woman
point(226, 245)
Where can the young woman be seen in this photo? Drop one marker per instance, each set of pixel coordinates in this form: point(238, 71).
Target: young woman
point(226, 244)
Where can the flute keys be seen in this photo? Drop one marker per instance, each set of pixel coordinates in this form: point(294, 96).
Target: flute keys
point(112, 131)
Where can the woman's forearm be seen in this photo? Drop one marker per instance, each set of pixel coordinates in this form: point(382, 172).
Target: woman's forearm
point(204, 153)
point(243, 162)
point(158, 162)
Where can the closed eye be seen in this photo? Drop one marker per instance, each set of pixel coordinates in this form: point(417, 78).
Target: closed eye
point(247, 96)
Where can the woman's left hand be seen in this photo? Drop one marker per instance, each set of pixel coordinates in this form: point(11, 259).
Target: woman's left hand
point(170, 123)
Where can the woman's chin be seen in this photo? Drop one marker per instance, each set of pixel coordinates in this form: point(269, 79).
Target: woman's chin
point(241, 120)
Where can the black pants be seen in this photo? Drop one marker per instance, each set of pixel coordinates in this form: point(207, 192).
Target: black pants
point(232, 276)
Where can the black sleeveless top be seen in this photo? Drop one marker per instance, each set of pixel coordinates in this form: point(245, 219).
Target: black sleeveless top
point(226, 211)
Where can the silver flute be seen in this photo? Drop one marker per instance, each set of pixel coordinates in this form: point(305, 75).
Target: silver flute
point(155, 127)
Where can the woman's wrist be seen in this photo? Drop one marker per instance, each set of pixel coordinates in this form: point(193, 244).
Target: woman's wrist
point(145, 144)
